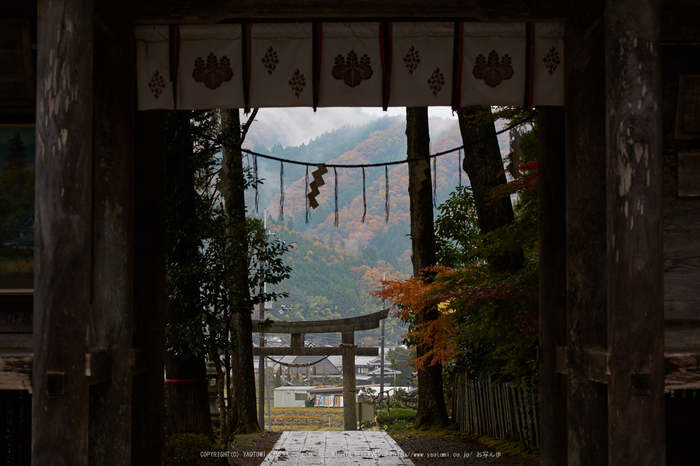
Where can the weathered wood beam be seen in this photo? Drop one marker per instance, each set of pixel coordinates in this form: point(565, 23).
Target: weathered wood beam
point(682, 334)
point(98, 366)
point(16, 367)
point(347, 337)
point(297, 340)
point(16, 340)
point(288, 351)
point(63, 237)
point(172, 11)
point(636, 418)
point(586, 286)
point(365, 322)
point(15, 370)
point(681, 367)
point(682, 370)
point(551, 144)
point(597, 365)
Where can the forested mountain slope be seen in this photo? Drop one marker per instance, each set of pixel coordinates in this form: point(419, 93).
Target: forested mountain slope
point(335, 268)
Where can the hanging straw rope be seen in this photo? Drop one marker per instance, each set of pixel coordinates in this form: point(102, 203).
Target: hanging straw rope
point(382, 164)
point(255, 181)
point(363, 166)
point(293, 365)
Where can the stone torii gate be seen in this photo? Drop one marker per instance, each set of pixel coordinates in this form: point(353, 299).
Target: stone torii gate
point(347, 328)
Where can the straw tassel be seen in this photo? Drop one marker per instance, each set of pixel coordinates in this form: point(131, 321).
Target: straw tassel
point(281, 212)
point(335, 174)
point(364, 196)
point(386, 191)
point(459, 166)
point(306, 193)
point(434, 181)
point(256, 182)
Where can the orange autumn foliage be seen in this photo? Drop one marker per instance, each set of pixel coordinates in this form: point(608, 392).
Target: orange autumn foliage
point(450, 290)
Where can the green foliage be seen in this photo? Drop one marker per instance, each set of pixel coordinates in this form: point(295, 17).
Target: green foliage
point(191, 449)
point(203, 282)
point(396, 414)
point(487, 322)
point(497, 335)
point(322, 284)
point(401, 360)
point(400, 424)
point(457, 229)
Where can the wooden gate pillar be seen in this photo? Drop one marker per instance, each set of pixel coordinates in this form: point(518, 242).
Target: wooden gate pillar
point(586, 286)
point(552, 268)
point(149, 288)
point(349, 389)
point(84, 281)
point(111, 316)
point(63, 275)
point(634, 233)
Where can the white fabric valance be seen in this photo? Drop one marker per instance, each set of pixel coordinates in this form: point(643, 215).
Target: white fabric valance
point(367, 64)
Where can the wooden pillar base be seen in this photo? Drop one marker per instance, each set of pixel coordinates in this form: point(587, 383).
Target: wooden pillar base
point(349, 389)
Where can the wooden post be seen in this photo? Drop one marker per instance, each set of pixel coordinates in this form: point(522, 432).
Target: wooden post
point(4, 441)
point(111, 319)
point(552, 267)
point(63, 277)
point(149, 287)
point(586, 286)
point(261, 378)
point(349, 390)
point(634, 232)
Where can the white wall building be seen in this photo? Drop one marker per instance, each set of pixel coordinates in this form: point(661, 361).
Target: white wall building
point(291, 397)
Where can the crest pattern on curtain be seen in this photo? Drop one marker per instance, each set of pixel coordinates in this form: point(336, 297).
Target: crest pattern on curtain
point(368, 64)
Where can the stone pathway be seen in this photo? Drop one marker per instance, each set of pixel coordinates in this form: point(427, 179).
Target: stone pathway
point(336, 448)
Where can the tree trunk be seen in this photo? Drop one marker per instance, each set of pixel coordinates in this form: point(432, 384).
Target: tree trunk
point(431, 402)
point(188, 399)
point(242, 325)
point(484, 167)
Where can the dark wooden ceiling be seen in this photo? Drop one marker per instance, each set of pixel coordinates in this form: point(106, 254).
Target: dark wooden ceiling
point(213, 11)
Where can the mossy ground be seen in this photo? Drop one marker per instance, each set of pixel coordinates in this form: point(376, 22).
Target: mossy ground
point(453, 442)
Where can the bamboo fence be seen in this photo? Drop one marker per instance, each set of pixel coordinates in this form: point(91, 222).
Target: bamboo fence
point(499, 410)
